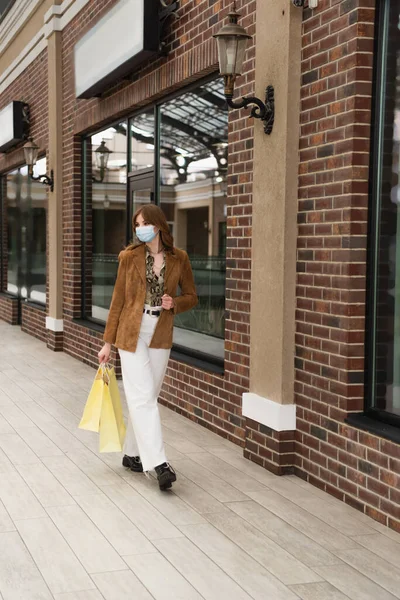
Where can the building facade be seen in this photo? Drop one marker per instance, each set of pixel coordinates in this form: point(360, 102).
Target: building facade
point(293, 350)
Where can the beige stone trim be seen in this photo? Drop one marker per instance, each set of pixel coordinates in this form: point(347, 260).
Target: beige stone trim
point(279, 417)
point(54, 213)
point(30, 38)
point(278, 55)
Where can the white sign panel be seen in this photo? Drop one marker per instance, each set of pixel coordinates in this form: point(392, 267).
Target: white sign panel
point(13, 124)
point(124, 38)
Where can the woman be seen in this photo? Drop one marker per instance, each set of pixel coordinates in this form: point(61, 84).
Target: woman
point(140, 325)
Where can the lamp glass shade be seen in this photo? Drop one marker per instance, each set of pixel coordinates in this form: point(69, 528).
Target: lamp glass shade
point(102, 154)
point(31, 152)
point(231, 52)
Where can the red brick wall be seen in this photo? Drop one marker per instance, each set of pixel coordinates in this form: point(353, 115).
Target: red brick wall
point(9, 309)
point(337, 66)
point(213, 400)
point(33, 321)
point(29, 87)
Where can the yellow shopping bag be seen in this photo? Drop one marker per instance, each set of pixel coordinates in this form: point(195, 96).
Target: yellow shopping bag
point(103, 411)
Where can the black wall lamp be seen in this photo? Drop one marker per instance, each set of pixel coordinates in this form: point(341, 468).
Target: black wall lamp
point(31, 152)
point(102, 154)
point(232, 41)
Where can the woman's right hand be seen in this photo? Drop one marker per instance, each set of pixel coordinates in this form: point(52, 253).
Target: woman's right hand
point(104, 354)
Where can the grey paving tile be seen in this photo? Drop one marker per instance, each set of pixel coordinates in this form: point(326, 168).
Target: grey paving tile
point(61, 437)
point(151, 522)
point(86, 595)
point(337, 514)
point(204, 575)
point(5, 400)
point(383, 546)
point(268, 553)
point(198, 435)
point(6, 465)
point(17, 450)
point(11, 389)
point(375, 568)
point(169, 584)
point(122, 584)
point(221, 490)
point(38, 415)
point(18, 498)
point(124, 536)
point(38, 441)
point(315, 528)
point(92, 549)
point(180, 443)
point(290, 538)
point(248, 573)
point(93, 467)
point(205, 539)
point(45, 486)
point(227, 472)
point(70, 476)
point(5, 426)
point(197, 497)
point(352, 583)
point(245, 466)
point(57, 563)
point(318, 591)
point(170, 505)
point(6, 523)
point(20, 579)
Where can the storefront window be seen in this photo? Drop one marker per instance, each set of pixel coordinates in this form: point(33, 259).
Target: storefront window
point(175, 156)
point(194, 136)
point(384, 330)
point(24, 227)
point(105, 208)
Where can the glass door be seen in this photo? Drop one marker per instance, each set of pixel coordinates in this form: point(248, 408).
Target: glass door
point(140, 192)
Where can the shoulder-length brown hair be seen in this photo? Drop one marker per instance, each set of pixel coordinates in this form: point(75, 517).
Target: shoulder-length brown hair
point(154, 215)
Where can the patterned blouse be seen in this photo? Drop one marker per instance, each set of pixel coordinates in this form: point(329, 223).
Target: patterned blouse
point(154, 283)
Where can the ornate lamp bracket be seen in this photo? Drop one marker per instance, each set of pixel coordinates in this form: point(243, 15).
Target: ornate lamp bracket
point(45, 179)
point(265, 112)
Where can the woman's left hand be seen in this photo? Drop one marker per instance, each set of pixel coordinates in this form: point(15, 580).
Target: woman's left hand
point(167, 302)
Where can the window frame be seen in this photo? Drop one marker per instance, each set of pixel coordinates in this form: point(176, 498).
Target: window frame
point(382, 20)
point(3, 208)
point(180, 353)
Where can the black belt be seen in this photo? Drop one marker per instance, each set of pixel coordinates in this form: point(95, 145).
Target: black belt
point(153, 313)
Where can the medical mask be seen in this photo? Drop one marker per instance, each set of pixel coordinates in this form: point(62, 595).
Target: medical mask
point(146, 233)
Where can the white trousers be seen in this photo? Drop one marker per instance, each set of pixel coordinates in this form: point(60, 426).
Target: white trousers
point(143, 372)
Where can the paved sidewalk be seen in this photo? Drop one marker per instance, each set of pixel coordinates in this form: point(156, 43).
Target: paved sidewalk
point(75, 525)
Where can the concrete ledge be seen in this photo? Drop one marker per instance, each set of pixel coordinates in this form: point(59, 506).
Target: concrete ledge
point(54, 324)
point(279, 417)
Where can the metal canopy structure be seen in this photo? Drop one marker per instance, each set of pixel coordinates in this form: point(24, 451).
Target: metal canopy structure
point(194, 125)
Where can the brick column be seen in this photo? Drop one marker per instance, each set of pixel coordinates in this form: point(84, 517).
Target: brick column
point(54, 319)
point(269, 406)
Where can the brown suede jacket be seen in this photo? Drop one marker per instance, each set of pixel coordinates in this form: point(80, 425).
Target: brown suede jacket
point(126, 310)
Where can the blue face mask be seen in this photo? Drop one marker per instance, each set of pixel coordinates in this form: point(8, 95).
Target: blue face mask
point(145, 233)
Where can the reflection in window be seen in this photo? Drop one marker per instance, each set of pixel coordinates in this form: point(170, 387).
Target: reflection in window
point(193, 163)
point(385, 305)
point(141, 176)
point(190, 174)
point(142, 130)
point(105, 187)
point(25, 229)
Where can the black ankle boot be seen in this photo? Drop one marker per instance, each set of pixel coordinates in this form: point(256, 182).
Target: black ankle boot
point(165, 475)
point(133, 463)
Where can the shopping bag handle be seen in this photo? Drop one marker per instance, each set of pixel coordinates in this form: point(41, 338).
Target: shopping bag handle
point(104, 371)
